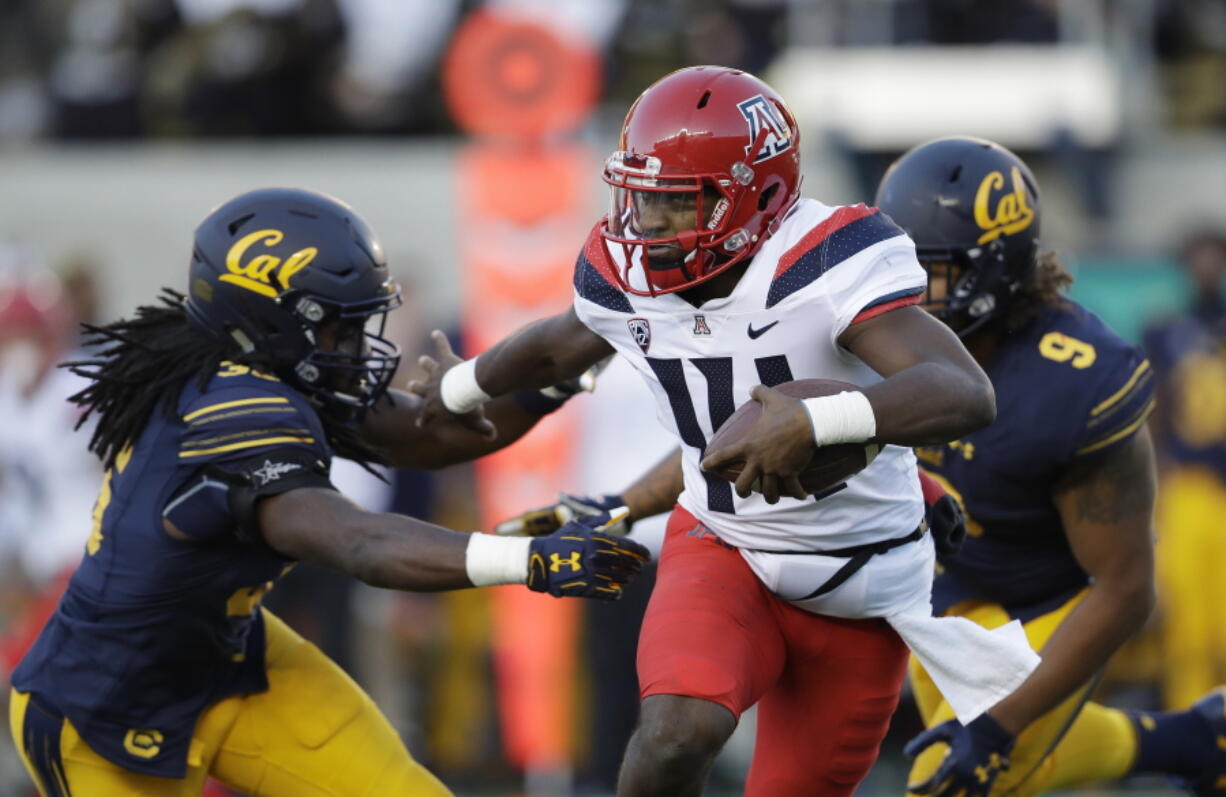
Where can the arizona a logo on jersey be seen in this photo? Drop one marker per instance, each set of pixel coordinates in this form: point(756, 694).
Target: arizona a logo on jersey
point(762, 115)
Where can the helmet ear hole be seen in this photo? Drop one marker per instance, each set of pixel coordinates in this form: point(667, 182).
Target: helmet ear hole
point(768, 194)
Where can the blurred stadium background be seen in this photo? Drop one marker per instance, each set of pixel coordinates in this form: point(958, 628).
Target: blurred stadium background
point(470, 134)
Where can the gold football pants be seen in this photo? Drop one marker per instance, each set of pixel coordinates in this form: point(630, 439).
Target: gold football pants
point(314, 733)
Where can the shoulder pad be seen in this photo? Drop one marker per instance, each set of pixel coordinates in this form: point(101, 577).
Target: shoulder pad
point(235, 421)
point(596, 278)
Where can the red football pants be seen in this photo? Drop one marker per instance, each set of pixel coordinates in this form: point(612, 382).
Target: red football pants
point(825, 687)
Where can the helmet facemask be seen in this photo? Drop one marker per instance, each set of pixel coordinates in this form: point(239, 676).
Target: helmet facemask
point(349, 363)
point(673, 226)
point(974, 285)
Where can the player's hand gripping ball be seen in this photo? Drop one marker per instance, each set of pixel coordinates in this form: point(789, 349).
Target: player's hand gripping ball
point(827, 467)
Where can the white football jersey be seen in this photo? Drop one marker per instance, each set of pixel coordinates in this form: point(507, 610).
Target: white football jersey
point(824, 268)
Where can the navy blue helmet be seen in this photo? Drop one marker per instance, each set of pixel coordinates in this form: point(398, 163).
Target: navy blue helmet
point(298, 283)
point(974, 206)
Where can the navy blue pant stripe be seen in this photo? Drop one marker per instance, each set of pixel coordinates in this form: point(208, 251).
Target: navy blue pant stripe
point(41, 730)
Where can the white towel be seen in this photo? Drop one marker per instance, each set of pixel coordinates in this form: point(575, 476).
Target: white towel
point(973, 667)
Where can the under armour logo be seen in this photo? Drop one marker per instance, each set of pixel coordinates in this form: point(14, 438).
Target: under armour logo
point(556, 561)
point(700, 325)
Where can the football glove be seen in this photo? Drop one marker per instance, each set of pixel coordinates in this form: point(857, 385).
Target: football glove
point(548, 519)
point(580, 560)
point(944, 515)
point(977, 754)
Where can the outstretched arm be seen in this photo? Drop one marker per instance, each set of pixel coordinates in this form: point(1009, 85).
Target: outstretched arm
point(319, 525)
point(392, 427)
point(543, 353)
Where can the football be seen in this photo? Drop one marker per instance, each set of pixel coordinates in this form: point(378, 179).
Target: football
point(830, 466)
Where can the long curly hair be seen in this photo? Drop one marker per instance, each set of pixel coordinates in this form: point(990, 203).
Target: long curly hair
point(141, 365)
point(1044, 288)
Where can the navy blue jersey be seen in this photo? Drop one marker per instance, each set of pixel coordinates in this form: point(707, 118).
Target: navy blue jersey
point(1189, 356)
point(1067, 388)
point(162, 616)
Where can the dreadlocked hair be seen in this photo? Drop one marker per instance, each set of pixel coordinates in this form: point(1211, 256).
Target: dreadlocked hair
point(1044, 288)
point(141, 364)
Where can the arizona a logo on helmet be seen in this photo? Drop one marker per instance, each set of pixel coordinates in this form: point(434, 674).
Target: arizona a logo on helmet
point(761, 115)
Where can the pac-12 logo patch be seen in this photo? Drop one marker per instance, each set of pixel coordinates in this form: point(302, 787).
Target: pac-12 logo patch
point(761, 115)
point(640, 330)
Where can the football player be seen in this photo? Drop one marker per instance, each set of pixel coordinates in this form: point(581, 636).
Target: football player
point(218, 416)
point(1058, 495)
point(712, 276)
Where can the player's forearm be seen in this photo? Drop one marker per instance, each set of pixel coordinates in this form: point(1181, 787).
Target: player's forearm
point(1080, 647)
point(391, 428)
point(381, 549)
point(931, 403)
point(541, 354)
point(399, 552)
point(656, 491)
point(451, 445)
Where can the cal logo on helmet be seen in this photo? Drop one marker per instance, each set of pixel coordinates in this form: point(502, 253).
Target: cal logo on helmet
point(1011, 214)
point(258, 272)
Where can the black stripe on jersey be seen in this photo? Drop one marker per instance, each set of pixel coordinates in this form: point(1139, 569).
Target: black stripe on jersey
point(591, 285)
point(1119, 432)
point(227, 438)
point(671, 374)
point(841, 244)
point(1140, 383)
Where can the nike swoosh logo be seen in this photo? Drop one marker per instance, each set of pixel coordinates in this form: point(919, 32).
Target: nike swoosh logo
point(754, 334)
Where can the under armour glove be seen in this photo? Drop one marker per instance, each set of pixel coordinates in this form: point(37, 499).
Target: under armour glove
point(548, 519)
point(944, 515)
point(580, 560)
point(977, 754)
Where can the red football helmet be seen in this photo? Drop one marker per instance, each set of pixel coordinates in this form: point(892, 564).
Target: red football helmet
point(708, 163)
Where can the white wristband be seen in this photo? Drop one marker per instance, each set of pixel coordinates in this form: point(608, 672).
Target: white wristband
point(459, 389)
point(491, 560)
point(845, 417)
